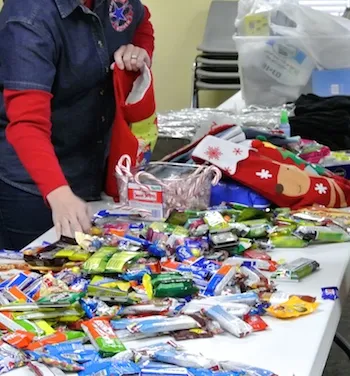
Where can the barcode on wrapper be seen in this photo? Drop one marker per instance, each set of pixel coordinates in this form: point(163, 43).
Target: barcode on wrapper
point(150, 200)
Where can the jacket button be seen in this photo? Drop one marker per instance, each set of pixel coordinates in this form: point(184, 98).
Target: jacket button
point(102, 92)
point(100, 43)
point(103, 119)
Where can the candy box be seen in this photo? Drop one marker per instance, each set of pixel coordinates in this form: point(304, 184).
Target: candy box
point(161, 187)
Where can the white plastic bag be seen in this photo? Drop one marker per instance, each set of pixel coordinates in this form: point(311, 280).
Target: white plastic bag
point(277, 66)
point(274, 70)
point(325, 36)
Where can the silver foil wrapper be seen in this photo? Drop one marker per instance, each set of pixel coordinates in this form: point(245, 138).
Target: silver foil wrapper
point(184, 124)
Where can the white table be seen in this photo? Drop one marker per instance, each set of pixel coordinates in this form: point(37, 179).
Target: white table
point(298, 347)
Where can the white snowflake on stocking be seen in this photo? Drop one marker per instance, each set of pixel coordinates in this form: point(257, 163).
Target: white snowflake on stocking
point(213, 152)
point(237, 151)
point(321, 189)
point(264, 174)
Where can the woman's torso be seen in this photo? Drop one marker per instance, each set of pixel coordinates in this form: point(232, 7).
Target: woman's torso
point(83, 105)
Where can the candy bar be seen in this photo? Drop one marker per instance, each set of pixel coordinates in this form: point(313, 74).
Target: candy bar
point(228, 322)
point(102, 337)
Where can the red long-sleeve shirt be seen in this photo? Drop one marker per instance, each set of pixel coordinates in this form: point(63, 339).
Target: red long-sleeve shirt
point(29, 128)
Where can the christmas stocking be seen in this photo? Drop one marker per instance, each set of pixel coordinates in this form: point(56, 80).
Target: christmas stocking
point(286, 185)
point(135, 130)
point(287, 157)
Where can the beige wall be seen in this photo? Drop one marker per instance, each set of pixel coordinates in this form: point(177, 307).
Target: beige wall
point(179, 26)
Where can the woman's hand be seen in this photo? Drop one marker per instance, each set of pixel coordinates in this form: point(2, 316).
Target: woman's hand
point(69, 212)
point(131, 58)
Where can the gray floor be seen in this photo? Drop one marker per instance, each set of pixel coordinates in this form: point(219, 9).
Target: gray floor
point(338, 364)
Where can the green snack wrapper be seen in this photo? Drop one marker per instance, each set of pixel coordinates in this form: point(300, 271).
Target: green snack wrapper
point(56, 314)
point(81, 255)
point(259, 231)
point(103, 337)
point(194, 213)
point(119, 260)
point(177, 218)
point(288, 242)
point(250, 213)
point(168, 285)
point(175, 290)
point(282, 212)
point(256, 222)
point(180, 231)
point(166, 278)
point(241, 247)
point(30, 326)
point(64, 253)
point(216, 221)
point(283, 230)
point(158, 226)
point(97, 263)
point(295, 270)
point(322, 234)
point(74, 334)
point(61, 298)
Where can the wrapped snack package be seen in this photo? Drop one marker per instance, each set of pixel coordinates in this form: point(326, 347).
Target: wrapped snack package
point(103, 337)
point(167, 324)
point(228, 322)
point(295, 270)
point(294, 307)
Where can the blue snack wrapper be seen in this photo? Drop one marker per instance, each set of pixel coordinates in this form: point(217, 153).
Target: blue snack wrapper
point(111, 368)
point(330, 293)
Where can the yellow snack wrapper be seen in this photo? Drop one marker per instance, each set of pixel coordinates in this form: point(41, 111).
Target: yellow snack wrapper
point(294, 307)
point(42, 324)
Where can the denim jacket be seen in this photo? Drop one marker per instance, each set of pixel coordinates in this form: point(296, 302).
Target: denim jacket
point(62, 47)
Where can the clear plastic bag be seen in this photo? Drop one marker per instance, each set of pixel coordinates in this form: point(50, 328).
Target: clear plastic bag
point(281, 43)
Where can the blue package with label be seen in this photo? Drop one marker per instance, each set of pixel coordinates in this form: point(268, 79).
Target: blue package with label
point(110, 368)
point(230, 191)
point(74, 351)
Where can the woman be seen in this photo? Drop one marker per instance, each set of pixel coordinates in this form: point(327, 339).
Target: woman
point(57, 107)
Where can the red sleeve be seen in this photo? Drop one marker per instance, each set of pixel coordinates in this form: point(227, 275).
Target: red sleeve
point(29, 132)
point(144, 36)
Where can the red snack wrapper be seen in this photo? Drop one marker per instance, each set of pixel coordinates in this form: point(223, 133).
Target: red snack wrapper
point(256, 322)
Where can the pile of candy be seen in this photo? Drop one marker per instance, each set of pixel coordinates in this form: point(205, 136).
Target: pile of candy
point(194, 276)
point(167, 358)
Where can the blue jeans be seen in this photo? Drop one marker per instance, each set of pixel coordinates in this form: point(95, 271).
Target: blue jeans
point(23, 217)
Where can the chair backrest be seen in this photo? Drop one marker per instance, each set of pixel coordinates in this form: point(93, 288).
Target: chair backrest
point(220, 27)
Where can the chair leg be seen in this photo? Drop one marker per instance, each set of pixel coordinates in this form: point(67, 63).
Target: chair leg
point(195, 96)
point(342, 343)
point(195, 99)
